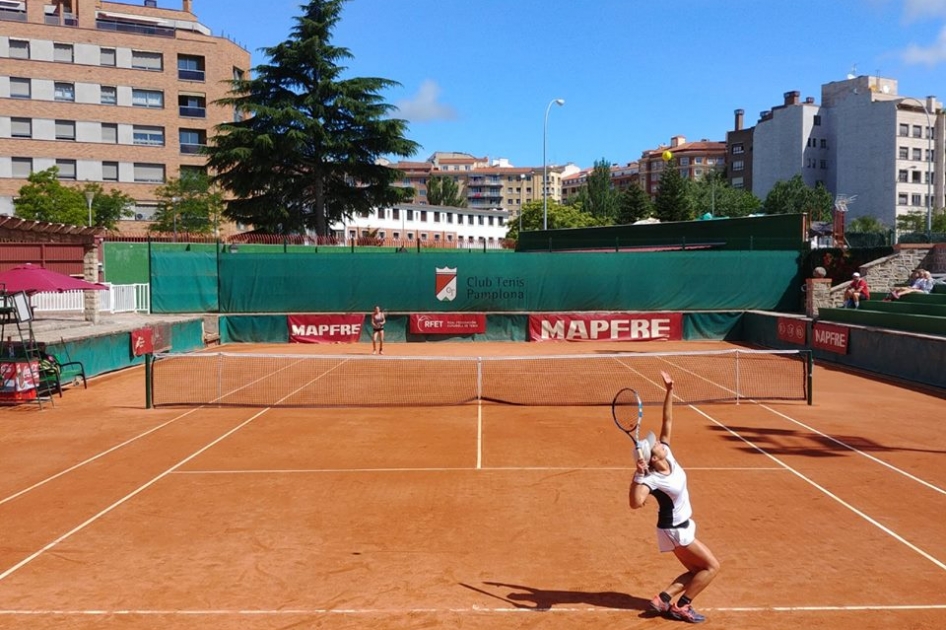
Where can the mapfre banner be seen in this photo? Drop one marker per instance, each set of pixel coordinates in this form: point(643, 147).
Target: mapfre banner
point(325, 328)
point(448, 323)
point(606, 326)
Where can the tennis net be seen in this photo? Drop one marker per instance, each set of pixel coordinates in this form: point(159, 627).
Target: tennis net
point(288, 380)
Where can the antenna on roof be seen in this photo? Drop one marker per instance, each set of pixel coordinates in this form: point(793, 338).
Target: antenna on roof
point(853, 73)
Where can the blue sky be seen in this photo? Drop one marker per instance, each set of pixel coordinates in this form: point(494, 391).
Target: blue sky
point(477, 75)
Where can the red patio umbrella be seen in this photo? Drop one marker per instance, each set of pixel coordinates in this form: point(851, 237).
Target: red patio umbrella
point(37, 279)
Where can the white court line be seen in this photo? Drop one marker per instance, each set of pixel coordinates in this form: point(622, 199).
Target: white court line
point(306, 471)
point(825, 491)
point(147, 485)
point(856, 450)
point(124, 499)
point(93, 458)
point(283, 612)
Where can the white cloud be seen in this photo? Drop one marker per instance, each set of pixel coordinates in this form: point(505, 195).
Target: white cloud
point(920, 9)
point(927, 55)
point(423, 106)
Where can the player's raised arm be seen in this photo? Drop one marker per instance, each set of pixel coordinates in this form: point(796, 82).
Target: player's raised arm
point(667, 425)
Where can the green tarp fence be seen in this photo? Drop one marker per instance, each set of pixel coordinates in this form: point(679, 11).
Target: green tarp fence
point(449, 281)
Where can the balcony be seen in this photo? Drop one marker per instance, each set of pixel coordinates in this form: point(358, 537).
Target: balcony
point(193, 112)
point(192, 149)
point(190, 75)
point(13, 15)
point(104, 24)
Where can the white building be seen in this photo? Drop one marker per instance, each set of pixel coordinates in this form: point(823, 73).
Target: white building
point(863, 140)
point(406, 224)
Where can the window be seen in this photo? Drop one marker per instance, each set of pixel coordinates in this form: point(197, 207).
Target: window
point(63, 53)
point(395, 235)
point(738, 149)
point(904, 153)
point(823, 164)
point(65, 130)
point(147, 98)
point(410, 215)
point(904, 130)
point(917, 131)
point(491, 220)
point(190, 68)
point(67, 169)
point(916, 176)
point(107, 57)
point(149, 173)
point(918, 154)
point(436, 217)
point(108, 95)
point(817, 121)
point(480, 219)
point(19, 88)
point(110, 171)
point(192, 141)
point(469, 219)
point(19, 49)
point(902, 199)
point(738, 182)
point(110, 133)
point(147, 60)
point(449, 217)
point(21, 127)
point(423, 216)
point(684, 161)
point(64, 91)
point(22, 167)
point(192, 105)
point(824, 143)
point(738, 165)
point(916, 200)
point(396, 214)
point(148, 136)
point(902, 176)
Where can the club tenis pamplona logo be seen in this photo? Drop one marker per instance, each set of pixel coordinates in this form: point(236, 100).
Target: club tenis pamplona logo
point(445, 287)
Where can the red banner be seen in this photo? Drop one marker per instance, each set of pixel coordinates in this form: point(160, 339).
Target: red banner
point(792, 330)
point(606, 326)
point(448, 323)
point(142, 341)
point(830, 337)
point(325, 328)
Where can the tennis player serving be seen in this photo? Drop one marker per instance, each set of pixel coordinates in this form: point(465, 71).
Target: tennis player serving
point(660, 475)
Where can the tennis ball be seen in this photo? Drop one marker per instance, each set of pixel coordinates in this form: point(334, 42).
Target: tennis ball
point(667, 156)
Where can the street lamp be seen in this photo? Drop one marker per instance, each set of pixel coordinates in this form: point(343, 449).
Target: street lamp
point(89, 196)
point(545, 180)
point(929, 168)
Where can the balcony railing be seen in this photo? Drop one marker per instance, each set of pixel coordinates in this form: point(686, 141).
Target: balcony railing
point(193, 112)
point(190, 75)
point(140, 29)
point(192, 149)
point(12, 16)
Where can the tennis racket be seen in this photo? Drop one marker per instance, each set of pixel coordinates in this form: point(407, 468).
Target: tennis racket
point(628, 411)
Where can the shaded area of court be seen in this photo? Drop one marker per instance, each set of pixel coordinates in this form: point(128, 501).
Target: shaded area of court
point(464, 516)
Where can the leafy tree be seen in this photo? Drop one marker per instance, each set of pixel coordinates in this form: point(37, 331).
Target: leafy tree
point(673, 201)
point(444, 191)
point(866, 224)
point(597, 197)
point(306, 150)
point(560, 216)
point(45, 198)
point(633, 205)
point(188, 204)
point(712, 194)
point(795, 197)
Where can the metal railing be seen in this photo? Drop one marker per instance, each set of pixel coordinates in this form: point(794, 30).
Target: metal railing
point(120, 298)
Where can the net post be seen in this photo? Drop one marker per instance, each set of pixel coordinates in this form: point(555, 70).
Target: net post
point(811, 369)
point(149, 396)
point(737, 376)
point(479, 379)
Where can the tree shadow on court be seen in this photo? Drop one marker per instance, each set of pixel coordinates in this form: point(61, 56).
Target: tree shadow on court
point(531, 598)
point(801, 442)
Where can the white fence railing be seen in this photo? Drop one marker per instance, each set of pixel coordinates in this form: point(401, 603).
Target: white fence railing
point(120, 298)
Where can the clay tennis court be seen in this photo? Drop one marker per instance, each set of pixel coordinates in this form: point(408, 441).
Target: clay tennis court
point(477, 516)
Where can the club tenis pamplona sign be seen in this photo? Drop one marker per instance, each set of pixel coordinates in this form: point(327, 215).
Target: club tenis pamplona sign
point(449, 285)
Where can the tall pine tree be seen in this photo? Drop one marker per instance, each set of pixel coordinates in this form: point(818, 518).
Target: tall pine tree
point(305, 152)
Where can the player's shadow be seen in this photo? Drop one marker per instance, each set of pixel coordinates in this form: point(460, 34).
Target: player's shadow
point(530, 598)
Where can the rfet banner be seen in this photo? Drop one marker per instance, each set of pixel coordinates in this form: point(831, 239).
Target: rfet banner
point(791, 330)
point(325, 328)
point(448, 323)
point(830, 337)
point(605, 326)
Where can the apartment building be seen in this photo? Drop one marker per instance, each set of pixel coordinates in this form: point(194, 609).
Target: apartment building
point(623, 176)
point(431, 226)
point(693, 159)
point(122, 94)
point(864, 142)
